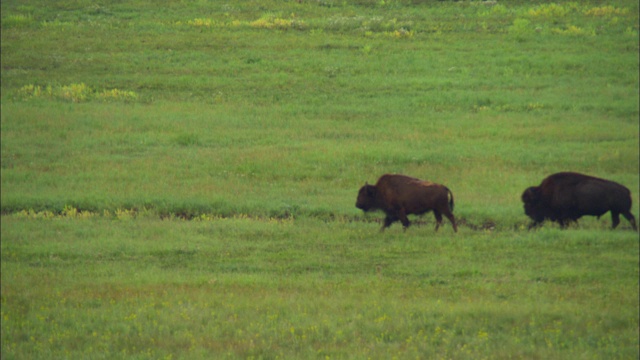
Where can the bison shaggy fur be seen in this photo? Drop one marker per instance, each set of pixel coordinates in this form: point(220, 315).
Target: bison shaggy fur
point(400, 195)
point(567, 196)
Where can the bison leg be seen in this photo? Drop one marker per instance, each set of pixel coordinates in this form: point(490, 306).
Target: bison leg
point(534, 224)
point(438, 216)
point(388, 220)
point(452, 219)
point(632, 220)
point(403, 219)
point(564, 223)
point(615, 219)
point(449, 216)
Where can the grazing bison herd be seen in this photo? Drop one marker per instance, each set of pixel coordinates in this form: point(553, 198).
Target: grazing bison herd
point(563, 197)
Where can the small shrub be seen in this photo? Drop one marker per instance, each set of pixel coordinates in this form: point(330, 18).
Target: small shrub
point(74, 92)
point(117, 95)
point(69, 211)
point(572, 30)
point(550, 11)
point(17, 21)
point(520, 27)
point(605, 11)
point(401, 34)
point(33, 214)
point(272, 22)
point(34, 91)
point(499, 9)
point(201, 23)
point(125, 214)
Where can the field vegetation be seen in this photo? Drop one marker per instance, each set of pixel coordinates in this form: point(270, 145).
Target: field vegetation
point(179, 180)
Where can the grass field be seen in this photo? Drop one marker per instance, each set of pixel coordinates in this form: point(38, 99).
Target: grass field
point(179, 181)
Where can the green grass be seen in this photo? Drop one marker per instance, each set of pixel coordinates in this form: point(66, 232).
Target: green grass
point(258, 122)
point(284, 288)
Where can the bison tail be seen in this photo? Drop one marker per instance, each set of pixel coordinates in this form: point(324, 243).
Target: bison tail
point(451, 202)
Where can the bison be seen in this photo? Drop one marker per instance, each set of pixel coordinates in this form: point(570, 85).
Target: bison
point(567, 196)
point(400, 195)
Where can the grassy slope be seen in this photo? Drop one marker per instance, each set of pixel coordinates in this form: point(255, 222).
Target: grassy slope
point(257, 124)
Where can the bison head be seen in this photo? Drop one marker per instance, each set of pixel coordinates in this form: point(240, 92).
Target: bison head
point(532, 203)
point(367, 198)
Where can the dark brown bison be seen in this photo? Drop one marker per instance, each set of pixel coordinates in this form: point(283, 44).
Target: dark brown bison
point(399, 196)
point(567, 196)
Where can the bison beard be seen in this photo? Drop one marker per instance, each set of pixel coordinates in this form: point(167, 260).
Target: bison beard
point(399, 196)
point(565, 197)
